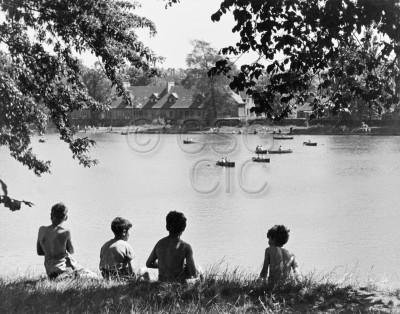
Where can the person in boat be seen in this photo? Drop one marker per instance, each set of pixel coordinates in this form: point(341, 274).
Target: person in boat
point(280, 265)
point(55, 244)
point(116, 255)
point(309, 141)
point(172, 256)
point(280, 148)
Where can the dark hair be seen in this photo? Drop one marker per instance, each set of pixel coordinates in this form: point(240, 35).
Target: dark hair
point(59, 211)
point(119, 225)
point(176, 222)
point(279, 233)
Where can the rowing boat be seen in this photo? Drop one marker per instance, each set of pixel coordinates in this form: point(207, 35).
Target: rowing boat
point(280, 151)
point(190, 141)
point(258, 159)
point(229, 164)
point(283, 137)
point(310, 143)
point(261, 151)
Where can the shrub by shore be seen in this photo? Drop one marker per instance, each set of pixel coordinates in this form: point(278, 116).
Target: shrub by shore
point(220, 292)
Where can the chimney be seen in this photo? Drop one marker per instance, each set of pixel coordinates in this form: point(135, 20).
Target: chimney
point(170, 85)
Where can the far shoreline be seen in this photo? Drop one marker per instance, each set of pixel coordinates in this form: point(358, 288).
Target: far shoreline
point(256, 129)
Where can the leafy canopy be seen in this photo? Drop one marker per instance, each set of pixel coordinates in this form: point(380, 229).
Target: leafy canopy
point(301, 39)
point(43, 77)
point(212, 91)
point(40, 75)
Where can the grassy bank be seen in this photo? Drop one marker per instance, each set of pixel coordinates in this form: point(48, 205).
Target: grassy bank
point(222, 292)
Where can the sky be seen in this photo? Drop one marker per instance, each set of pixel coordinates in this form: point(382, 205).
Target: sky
point(178, 25)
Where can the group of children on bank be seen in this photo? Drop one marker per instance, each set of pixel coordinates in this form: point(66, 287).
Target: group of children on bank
point(172, 256)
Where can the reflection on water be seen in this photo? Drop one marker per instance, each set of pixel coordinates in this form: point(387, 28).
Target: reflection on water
point(339, 199)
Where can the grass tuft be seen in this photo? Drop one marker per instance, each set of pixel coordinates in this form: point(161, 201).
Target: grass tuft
point(224, 290)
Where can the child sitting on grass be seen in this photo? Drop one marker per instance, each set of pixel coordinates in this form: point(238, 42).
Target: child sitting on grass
point(172, 256)
point(278, 261)
point(54, 242)
point(116, 254)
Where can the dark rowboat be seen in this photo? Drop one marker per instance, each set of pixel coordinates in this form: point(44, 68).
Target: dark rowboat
point(258, 159)
point(190, 141)
point(310, 143)
point(230, 164)
point(283, 137)
point(282, 151)
point(261, 151)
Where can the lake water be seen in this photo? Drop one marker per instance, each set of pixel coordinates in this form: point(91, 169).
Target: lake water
point(340, 200)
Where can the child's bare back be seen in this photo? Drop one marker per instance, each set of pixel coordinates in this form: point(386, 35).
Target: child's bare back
point(281, 262)
point(54, 242)
point(172, 256)
point(171, 253)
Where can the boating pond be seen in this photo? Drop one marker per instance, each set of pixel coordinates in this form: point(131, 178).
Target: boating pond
point(340, 199)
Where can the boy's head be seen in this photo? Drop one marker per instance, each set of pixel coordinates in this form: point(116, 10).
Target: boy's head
point(176, 222)
point(120, 226)
point(279, 234)
point(59, 212)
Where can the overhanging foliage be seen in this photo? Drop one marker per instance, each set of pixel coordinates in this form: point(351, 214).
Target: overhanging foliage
point(298, 40)
point(40, 74)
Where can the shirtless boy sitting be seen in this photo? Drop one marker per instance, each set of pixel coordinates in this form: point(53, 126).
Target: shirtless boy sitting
point(278, 262)
point(54, 242)
point(171, 253)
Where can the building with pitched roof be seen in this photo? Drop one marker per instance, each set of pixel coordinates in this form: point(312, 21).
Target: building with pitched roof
point(305, 110)
point(152, 102)
point(245, 103)
point(149, 102)
point(244, 108)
